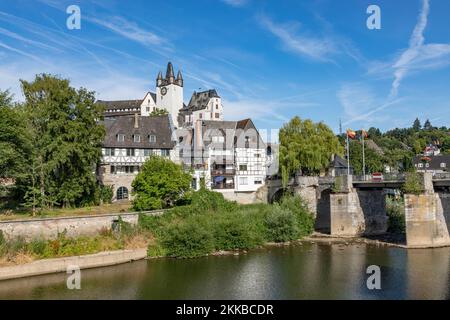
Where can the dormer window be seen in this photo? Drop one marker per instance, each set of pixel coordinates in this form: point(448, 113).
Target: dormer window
point(136, 138)
point(152, 138)
point(120, 138)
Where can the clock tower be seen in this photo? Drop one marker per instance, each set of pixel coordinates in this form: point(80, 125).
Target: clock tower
point(169, 93)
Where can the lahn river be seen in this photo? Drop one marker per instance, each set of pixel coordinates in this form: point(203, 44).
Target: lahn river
point(306, 271)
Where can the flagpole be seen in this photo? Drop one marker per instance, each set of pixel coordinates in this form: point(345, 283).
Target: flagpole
point(364, 156)
point(348, 156)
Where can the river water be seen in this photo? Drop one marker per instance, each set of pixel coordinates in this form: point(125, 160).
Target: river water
point(306, 271)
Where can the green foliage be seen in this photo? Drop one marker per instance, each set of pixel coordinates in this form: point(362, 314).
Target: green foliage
point(373, 160)
point(236, 231)
point(413, 183)
point(395, 211)
point(281, 225)
point(159, 112)
point(51, 143)
point(212, 223)
point(306, 146)
point(189, 238)
point(160, 184)
point(106, 194)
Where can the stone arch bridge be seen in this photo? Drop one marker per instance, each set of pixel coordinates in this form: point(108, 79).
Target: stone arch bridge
point(350, 206)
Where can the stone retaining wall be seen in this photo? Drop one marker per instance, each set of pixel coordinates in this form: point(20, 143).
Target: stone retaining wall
point(47, 266)
point(49, 228)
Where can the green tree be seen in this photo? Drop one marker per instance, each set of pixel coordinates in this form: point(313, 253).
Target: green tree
point(159, 112)
point(306, 146)
point(427, 125)
point(374, 161)
point(160, 184)
point(67, 138)
point(417, 125)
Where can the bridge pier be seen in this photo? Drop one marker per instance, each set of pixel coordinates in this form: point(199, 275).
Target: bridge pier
point(427, 217)
point(355, 212)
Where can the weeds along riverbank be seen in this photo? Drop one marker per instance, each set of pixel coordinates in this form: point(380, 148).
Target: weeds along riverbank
point(208, 224)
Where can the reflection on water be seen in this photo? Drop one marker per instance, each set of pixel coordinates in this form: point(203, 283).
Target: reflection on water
point(308, 271)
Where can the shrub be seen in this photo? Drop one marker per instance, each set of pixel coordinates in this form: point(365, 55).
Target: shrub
point(281, 225)
point(236, 231)
point(106, 194)
point(155, 250)
point(190, 238)
point(206, 200)
point(303, 217)
point(396, 216)
point(413, 184)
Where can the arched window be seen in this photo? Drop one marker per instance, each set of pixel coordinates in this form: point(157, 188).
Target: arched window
point(122, 193)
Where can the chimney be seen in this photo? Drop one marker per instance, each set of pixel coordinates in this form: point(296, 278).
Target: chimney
point(136, 121)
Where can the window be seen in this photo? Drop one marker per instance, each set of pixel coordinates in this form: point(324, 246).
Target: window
point(420, 165)
point(443, 165)
point(257, 155)
point(148, 109)
point(109, 152)
point(242, 167)
point(130, 152)
point(243, 181)
point(247, 142)
point(152, 138)
point(136, 138)
point(200, 115)
point(165, 152)
point(217, 115)
point(218, 139)
point(217, 107)
point(113, 169)
point(120, 138)
point(258, 180)
point(427, 165)
point(148, 152)
point(122, 193)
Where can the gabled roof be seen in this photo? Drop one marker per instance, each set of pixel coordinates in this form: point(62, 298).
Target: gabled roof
point(200, 100)
point(158, 126)
point(435, 163)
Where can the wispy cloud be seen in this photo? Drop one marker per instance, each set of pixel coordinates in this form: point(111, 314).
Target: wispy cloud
point(361, 104)
point(128, 30)
point(293, 41)
point(236, 3)
point(419, 56)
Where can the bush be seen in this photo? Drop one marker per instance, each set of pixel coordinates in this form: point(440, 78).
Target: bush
point(190, 238)
point(106, 194)
point(413, 184)
point(281, 225)
point(236, 231)
point(206, 200)
point(396, 216)
point(303, 217)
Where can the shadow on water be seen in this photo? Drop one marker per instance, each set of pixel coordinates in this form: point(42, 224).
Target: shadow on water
point(308, 271)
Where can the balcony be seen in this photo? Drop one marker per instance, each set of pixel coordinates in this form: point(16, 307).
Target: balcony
point(223, 172)
point(223, 186)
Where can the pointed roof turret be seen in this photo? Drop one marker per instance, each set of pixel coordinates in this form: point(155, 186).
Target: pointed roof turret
point(170, 74)
point(159, 76)
point(179, 76)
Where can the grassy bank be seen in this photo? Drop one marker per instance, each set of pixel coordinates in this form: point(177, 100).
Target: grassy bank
point(19, 251)
point(211, 223)
point(25, 213)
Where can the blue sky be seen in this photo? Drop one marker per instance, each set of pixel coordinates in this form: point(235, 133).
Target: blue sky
point(269, 60)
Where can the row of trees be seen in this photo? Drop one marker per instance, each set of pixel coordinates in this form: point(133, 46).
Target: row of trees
point(51, 143)
point(306, 147)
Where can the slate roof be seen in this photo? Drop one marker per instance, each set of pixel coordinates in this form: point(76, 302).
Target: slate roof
point(199, 100)
point(155, 125)
point(435, 163)
point(114, 107)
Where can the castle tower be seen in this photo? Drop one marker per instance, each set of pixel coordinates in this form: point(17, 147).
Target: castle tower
point(169, 93)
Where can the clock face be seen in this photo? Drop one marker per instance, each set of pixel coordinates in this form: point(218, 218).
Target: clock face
point(163, 91)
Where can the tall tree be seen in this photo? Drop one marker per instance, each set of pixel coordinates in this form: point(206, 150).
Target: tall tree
point(427, 125)
point(417, 125)
point(67, 138)
point(306, 146)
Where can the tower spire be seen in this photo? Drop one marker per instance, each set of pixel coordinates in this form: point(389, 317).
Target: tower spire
point(179, 80)
point(170, 76)
point(159, 79)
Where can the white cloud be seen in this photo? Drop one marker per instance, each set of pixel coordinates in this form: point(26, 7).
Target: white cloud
point(128, 30)
point(361, 104)
point(419, 56)
point(315, 48)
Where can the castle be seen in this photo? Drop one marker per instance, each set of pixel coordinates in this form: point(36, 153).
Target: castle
point(227, 156)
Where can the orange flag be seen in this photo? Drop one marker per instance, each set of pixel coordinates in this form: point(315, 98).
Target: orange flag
point(351, 134)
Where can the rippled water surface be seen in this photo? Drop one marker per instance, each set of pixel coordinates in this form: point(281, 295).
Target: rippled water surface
point(308, 271)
